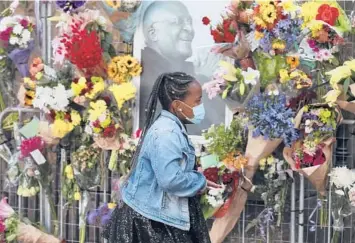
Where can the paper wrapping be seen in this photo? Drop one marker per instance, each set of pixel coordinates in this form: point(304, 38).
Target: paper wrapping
point(257, 148)
point(46, 134)
point(111, 143)
point(318, 174)
point(29, 234)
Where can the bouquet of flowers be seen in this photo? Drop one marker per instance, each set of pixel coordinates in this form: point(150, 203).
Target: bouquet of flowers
point(87, 167)
point(70, 188)
point(214, 198)
point(276, 26)
point(233, 83)
point(63, 122)
point(15, 36)
point(273, 192)
point(324, 24)
point(294, 79)
point(87, 88)
point(342, 181)
point(56, 98)
point(311, 155)
point(19, 229)
point(123, 68)
point(100, 121)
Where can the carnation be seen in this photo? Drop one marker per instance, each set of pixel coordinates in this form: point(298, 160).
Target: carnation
point(342, 177)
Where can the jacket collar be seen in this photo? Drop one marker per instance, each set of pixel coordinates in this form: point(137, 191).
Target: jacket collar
point(171, 116)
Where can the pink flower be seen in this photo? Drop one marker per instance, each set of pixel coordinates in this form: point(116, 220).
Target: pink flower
point(6, 210)
point(311, 43)
point(24, 23)
point(30, 145)
point(5, 35)
point(213, 88)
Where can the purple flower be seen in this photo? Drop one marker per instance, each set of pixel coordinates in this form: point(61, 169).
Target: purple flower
point(103, 209)
point(93, 217)
point(69, 5)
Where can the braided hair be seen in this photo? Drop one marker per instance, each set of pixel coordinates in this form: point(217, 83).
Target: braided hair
point(167, 88)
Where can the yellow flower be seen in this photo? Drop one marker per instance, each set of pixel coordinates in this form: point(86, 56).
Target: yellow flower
point(77, 196)
point(268, 13)
point(284, 77)
point(29, 82)
point(270, 160)
point(130, 61)
point(97, 88)
point(315, 26)
point(262, 162)
point(350, 64)
point(288, 6)
point(112, 70)
point(117, 59)
point(332, 96)
point(75, 118)
point(111, 205)
point(79, 86)
point(339, 74)
point(113, 4)
point(69, 172)
point(258, 35)
point(293, 61)
point(97, 129)
point(278, 45)
point(33, 191)
point(309, 11)
point(123, 92)
point(39, 75)
point(122, 68)
point(106, 122)
point(60, 128)
point(259, 21)
point(136, 71)
point(97, 109)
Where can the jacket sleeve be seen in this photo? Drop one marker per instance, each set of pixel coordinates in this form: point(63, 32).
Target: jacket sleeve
point(165, 158)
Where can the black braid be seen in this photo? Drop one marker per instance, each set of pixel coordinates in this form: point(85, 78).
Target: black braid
point(167, 88)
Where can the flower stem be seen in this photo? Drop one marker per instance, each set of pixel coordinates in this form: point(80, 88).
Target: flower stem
point(336, 236)
point(82, 233)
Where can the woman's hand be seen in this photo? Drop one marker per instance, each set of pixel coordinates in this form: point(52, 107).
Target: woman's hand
point(211, 184)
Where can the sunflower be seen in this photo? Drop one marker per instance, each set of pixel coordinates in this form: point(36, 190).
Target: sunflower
point(122, 68)
point(278, 45)
point(136, 71)
point(293, 61)
point(130, 61)
point(268, 13)
point(116, 59)
point(259, 22)
point(112, 70)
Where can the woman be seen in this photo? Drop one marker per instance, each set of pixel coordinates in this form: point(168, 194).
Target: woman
point(160, 204)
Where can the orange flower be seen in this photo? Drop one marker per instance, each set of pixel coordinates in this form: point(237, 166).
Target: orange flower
point(36, 66)
point(235, 160)
point(293, 61)
point(323, 36)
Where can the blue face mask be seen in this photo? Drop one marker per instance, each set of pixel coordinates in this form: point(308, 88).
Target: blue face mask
point(199, 114)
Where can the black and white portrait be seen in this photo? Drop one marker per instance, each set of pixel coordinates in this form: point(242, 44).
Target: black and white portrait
point(170, 37)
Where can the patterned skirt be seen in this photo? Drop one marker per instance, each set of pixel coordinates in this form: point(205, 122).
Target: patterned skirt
point(128, 226)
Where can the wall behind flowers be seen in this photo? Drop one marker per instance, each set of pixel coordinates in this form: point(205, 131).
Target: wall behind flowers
point(70, 217)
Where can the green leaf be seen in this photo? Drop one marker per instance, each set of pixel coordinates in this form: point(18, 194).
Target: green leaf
point(108, 37)
point(225, 93)
point(230, 78)
point(346, 85)
point(112, 51)
point(242, 88)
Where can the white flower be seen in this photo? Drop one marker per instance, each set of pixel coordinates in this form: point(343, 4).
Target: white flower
point(251, 76)
point(308, 129)
point(17, 29)
point(88, 129)
point(215, 202)
point(26, 35)
point(101, 21)
point(7, 22)
point(14, 40)
point(308, 122)
point(342, 177)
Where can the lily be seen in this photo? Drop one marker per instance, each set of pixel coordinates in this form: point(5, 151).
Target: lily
point(251, 76)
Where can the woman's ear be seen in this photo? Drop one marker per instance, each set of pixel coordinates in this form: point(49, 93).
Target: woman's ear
point(176, 106)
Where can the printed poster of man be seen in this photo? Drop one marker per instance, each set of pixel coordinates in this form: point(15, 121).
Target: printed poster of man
point(170, 37)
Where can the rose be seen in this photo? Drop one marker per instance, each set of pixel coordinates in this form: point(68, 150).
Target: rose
point(206, 21)
point(327, 14)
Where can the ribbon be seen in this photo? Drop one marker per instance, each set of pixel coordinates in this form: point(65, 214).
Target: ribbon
point(312, 222)
point(20, 58)
point(266, 218)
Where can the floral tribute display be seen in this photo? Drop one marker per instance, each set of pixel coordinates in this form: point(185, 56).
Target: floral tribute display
point(285, 57)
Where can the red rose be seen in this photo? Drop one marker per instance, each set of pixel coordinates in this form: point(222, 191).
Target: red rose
point(307, 158)
point(327, 14)
point(229, 37)
point(109, 131)
point(217, 36)
point(206, 21)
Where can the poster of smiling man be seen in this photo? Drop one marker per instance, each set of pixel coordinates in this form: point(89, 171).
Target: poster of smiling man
point(170, 36)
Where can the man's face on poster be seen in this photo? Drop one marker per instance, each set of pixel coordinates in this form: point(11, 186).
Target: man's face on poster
point(171, 32)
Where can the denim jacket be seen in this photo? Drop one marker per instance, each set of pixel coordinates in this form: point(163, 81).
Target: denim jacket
point(164, 177)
